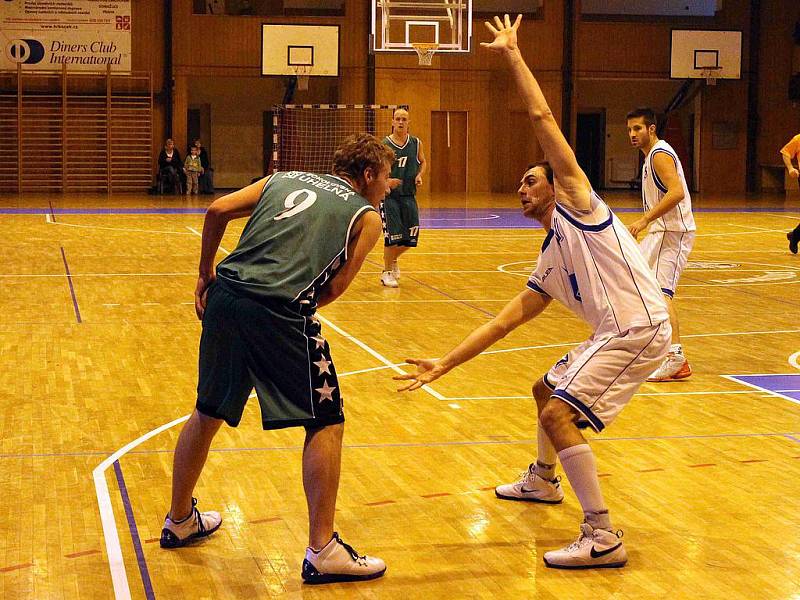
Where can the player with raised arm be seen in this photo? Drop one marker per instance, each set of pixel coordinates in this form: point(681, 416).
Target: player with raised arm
point(591, 264)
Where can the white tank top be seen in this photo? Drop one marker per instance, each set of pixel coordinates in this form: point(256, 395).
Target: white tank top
point(593, 266)
point(653, 190)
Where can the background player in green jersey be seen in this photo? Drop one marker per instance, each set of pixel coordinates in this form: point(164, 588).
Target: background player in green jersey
point(305, 241)
point(399, 209)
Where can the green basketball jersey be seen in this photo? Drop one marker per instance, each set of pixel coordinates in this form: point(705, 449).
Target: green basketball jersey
point(295, 241)
point(405, 166)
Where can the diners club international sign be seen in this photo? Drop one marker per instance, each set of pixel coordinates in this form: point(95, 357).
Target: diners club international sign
point(85, 35)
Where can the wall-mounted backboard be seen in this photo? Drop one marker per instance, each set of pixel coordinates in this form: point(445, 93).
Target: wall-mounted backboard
point(300, 50)
point(696, 53)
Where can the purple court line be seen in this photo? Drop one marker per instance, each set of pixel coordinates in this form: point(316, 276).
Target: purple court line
point(791, 437)
point(104, 211)
point(137, 544)
point(71, 288)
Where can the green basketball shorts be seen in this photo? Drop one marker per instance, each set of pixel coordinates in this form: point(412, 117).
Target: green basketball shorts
point(249, 344)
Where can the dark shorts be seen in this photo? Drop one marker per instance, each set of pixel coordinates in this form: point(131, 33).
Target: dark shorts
point(400, 218)
point(247, 343)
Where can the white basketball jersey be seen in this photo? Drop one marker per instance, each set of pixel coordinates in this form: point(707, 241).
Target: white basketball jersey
point(593, 266)
point(679, 218)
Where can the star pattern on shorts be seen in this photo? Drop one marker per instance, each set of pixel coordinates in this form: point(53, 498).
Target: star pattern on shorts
point(325, 392)
point(324, 365)
point(319, 340)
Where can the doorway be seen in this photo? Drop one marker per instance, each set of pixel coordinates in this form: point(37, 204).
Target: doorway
point(591, 145)
point(448, 155)
point(198, 126)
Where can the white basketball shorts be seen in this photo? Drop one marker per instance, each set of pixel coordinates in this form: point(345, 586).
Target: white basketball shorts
point(600, 376)
point(667, 253)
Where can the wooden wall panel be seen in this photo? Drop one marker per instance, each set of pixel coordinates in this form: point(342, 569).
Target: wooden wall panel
point(779, 119)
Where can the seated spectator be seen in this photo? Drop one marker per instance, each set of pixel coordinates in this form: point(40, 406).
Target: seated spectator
point(170, 168)
point(207, 176)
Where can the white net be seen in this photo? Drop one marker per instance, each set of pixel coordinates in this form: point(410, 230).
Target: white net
point(711, 74)
point(302, 74)
point(306, 135)
point(425, 52)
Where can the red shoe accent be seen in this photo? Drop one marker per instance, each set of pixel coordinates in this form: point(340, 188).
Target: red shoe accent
point(684, 372)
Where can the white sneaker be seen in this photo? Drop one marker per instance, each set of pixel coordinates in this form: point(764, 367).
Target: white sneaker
point(388, 279)
point(674, 367)
point(197, 525)
point(396, 271)
point(594, 549)
point(531, 488)
point(338, 561)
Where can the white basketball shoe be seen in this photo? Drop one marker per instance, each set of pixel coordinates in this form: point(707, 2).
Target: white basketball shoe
point(674, 367)
point(197, 525)
point(388, 279)
point(532, 488)
point(338, 561)
point(594, 549)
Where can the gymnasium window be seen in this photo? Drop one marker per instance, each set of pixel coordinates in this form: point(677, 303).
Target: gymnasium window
point(269, 8)
point(484, 9)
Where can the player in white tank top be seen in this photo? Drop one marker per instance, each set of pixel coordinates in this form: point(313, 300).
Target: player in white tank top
point(667, 207)
point(592, 265)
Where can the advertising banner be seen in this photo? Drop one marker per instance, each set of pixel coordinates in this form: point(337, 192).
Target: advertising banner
point(86, 35)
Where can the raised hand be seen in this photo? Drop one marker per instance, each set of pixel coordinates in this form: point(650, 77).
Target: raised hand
point(505, 34)
point(427, 371)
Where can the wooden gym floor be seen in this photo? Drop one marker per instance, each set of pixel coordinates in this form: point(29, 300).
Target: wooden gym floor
point(98, 344)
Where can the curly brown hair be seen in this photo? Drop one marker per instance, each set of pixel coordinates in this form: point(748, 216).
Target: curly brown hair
point(358, 153)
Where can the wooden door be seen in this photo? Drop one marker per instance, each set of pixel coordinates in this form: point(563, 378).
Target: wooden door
point(447, 157)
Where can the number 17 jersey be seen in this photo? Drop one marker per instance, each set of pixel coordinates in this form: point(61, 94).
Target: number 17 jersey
point(295, 241)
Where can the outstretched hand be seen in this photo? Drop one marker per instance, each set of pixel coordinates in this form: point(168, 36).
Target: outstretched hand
point(505, 34)
point(427, 371)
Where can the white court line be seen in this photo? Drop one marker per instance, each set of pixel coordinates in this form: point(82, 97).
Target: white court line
point(381, 368)
point(113, 548)
point(120, 229)
point(753, 227)
point(793, 217)
point(47, 218)
point(699, 235)
point(793, 360)
point(377, 355)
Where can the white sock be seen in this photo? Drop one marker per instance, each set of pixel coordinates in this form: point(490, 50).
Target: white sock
point(581, 470)
point(546, 459)
point(676, 349)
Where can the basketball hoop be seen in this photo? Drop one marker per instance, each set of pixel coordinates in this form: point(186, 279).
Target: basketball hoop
point(301, 73)
point(425, 52)
point(711, 74)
